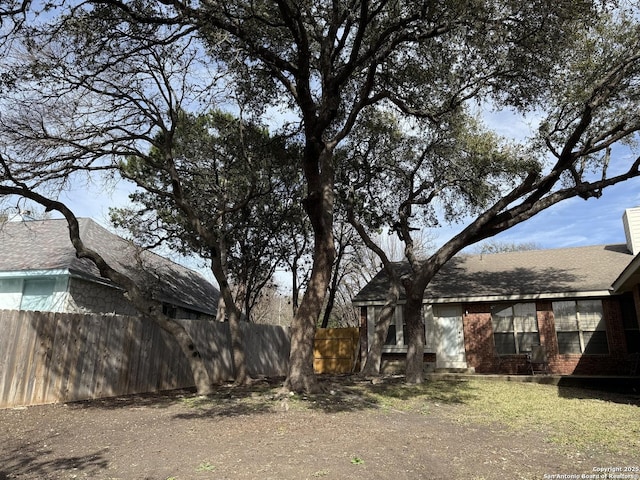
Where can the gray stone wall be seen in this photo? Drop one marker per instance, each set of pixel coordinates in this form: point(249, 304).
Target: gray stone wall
point(91, 297)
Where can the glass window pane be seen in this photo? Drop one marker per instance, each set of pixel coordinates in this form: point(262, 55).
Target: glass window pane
point(503, 324)
point(591, 317)
point(568, 342)
point(565, 315)
point(524, 310)
point(504, 343)
point(526, 324)
point(391, 335)
point(595, 343)
point(502, 311)
point(502, 319)
point(526, 340)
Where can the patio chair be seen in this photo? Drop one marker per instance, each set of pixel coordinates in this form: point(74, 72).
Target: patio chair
point(537, 360)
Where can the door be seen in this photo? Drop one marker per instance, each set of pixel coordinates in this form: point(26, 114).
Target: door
point(449, 336)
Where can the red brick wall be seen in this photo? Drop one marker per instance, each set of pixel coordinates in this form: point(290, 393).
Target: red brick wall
point(482, 356)
point(478, 337)
point(611, 364)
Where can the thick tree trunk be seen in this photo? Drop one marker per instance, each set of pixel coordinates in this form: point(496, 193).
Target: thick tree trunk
point(303, 327)
point(241, 376)
point(333, 290)
point(234, 316)
point(318, 169)
point(415, 330)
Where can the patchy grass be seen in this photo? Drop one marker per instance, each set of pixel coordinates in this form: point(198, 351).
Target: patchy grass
point(205, 467)
point(567, 416)
point(573, 417)
point(420, 398)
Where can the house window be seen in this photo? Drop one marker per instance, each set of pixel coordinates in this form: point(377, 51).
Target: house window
point(37, 294)
point(580, 327)
point(391, 334)
point(397, 339)
point(630, 322)
point(515, 328)
point(395, 335)
point(10, 293)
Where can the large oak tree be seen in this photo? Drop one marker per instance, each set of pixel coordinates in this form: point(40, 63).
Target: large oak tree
point(329, 63)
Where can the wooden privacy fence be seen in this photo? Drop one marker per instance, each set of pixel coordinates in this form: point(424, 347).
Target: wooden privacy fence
point(59, 357)
point(336, 350)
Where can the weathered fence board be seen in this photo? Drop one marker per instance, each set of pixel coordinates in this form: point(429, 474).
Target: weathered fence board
point(58, 357)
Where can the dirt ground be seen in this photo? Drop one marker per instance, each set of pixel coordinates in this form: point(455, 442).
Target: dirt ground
point(244, 433)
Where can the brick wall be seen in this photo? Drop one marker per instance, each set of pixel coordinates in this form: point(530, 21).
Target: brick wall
point(614, 363)
point(481, 353)
point(478, 338)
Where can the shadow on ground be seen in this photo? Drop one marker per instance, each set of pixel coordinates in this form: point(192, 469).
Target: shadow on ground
point(351, 393)
point(26, 460)
point(339, 393)
point(599, 392)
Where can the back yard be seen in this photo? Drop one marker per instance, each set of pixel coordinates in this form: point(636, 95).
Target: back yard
point(473, 429)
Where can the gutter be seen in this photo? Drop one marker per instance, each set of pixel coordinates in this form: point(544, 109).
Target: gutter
point(495, 298)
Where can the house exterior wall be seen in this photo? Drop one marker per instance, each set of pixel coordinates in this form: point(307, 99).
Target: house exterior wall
point(478, 337)
point(37, 291)
point(482, 356)
point(392, 362)
point(91, 297)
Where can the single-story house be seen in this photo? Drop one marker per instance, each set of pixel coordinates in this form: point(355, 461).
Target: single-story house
point(39, 270)
point(486, 312)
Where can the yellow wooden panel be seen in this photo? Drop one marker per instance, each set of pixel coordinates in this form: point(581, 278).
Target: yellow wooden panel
point(335, 350)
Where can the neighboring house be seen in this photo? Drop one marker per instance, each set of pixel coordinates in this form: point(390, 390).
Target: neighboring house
point(39, 270)
point(485, 312)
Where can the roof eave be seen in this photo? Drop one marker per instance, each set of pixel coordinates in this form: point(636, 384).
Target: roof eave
point(629, 277)
point(497, 298)
point(34, 273)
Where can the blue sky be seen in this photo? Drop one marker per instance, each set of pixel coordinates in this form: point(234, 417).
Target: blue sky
point(574, 222)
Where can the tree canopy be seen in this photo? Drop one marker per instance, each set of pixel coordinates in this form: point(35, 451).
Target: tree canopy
point(380, 96)
point(238, 180)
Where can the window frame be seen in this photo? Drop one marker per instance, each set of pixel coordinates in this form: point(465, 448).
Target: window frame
point(581, 314)
point(517, 329)
point(397, 324)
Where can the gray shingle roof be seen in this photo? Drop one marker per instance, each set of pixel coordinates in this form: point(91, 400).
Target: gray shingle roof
point(45, 245)
point(525, 273)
